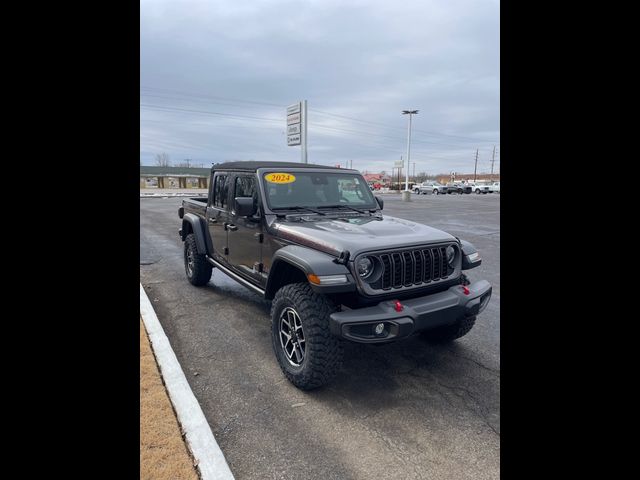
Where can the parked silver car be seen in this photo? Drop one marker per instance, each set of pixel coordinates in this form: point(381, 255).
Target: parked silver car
point(430, 187)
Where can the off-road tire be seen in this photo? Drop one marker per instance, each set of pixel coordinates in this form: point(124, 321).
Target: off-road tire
point(199, 273)
point(323, 351)
point(449, 333)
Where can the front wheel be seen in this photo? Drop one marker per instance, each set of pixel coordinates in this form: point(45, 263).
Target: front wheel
point(308, 354)
point(196, 267)
point(478, 191)
point(435, 191)
point(449, 333)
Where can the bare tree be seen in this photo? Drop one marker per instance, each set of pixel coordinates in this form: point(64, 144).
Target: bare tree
point(185, 164)
point(421, 177)
point(162, 160)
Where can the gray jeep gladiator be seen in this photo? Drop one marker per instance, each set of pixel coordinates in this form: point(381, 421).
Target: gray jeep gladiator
point(313, 240)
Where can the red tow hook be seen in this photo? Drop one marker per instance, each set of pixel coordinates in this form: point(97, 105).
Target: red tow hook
point(465, 290)
point(398, 306)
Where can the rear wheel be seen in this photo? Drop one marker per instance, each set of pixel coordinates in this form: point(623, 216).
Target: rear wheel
point(196, 267)
point(449, 333)
point(478, 191)
point(308, 354)
point(435, 191)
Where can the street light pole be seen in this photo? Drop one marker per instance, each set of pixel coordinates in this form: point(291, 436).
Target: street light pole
point(406, 195)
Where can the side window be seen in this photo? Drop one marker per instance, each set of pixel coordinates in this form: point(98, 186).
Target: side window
point(245, 186)
point(220, 190)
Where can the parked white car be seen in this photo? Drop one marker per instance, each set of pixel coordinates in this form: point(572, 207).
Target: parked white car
point(480, 188)
point(494, 187)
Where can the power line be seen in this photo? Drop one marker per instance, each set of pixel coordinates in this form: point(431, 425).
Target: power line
point(215, 102)
point(200, 95)
point(254, 102)
point(371, 134)
point(471, 139)
point(270, 119)
point(207, 112)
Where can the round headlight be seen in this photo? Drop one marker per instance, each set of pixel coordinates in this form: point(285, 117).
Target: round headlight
point(451, 255)
point(365, 267)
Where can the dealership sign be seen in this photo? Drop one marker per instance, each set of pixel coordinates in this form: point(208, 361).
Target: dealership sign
point(294, 124)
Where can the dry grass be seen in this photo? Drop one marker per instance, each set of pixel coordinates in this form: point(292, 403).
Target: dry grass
point(163, 453)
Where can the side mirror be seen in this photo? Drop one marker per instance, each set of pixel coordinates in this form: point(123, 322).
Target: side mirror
point(380, 201)
point(244, 207)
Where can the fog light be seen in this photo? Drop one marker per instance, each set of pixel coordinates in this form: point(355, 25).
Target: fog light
point(379, 328)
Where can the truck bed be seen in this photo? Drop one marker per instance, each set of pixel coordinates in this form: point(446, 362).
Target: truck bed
point(196, 205)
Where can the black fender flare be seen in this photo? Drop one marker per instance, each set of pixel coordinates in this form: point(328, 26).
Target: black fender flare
point(198, 228)
point(308, 261)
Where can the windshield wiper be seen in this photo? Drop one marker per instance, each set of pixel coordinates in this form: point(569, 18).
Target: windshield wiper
point(299, 208)
point(343, 206)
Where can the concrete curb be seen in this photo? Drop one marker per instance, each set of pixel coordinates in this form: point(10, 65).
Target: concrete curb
point(209, 458)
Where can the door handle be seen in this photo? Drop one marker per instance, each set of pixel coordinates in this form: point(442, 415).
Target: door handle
point(229, 226)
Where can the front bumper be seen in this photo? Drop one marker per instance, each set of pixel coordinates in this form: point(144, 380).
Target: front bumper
point(422, 313)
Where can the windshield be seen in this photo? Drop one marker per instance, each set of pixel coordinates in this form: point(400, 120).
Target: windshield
point(316, 189)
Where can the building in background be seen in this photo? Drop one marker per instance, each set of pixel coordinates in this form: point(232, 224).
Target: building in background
point(377, 178)
point(174, 177)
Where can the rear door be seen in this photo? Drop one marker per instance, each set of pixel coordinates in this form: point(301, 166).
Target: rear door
point(218, 216)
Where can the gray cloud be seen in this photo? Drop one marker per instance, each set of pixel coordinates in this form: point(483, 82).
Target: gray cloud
point(202, 62)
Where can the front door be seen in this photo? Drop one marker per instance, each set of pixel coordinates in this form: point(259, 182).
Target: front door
point(245, 233)
point(218, 216)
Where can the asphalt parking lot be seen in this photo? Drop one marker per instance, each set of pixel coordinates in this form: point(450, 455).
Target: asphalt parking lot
point(408, 410)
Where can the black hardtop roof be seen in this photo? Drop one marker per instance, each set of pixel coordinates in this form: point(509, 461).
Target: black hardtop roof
point(254, 166)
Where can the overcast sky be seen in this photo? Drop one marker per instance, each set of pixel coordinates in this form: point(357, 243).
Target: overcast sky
point(216, 77)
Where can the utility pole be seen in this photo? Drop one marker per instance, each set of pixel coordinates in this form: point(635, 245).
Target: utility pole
point(493, 159)
point(476, 167)
point(303, 132)
point(406, 197)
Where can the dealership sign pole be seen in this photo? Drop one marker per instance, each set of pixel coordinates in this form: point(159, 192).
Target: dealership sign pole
point(297, 127)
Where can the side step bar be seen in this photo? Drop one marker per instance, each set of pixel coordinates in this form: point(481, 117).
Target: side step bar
point(236, 277)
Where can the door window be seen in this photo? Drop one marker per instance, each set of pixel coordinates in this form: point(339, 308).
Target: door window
point(220, 191)
point(245, 186)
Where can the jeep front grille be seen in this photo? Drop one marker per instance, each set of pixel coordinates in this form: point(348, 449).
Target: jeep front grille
point(412, 267)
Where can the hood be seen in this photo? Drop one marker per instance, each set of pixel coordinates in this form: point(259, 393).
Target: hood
point(358, 233)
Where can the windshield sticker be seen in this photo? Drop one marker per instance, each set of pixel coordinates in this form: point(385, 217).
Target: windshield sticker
point(280, 178)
